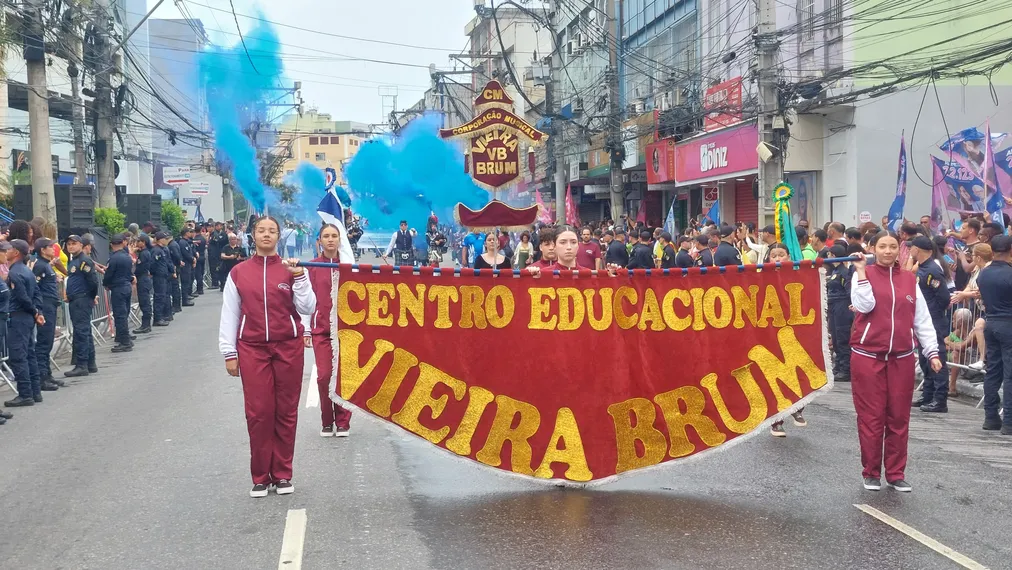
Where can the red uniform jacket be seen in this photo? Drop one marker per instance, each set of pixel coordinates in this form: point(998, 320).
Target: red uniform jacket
point(890, 311)
point(322, 279)
point(262, 303)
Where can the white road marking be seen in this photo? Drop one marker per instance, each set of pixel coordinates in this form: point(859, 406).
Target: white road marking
point(313, 396)
point(294, 540)
point(922, 538)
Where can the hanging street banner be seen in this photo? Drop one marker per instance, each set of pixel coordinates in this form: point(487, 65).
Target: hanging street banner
point(630, 372)
point(495, 136)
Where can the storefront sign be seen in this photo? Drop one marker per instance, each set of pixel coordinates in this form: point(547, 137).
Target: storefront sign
point(661, 161)
point(723, 103)
point(716, 156)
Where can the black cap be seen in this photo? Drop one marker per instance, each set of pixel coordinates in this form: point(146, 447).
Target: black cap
point(161, 235)
point(5, 245)
point(770, 229)
point(838, 251)
point(75, 237)
point(43, 243)
point(703, 239)
point(726, 231)
point(1001, 244)
point(20, 245)
point(923, 242)
point(117, 239)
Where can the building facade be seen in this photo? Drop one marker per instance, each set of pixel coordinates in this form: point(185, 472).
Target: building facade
point(318, 139)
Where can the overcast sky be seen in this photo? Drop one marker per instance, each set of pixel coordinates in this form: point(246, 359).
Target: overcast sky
point(348, 90)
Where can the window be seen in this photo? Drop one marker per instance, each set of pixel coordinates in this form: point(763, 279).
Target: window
point(335, 140)
point(806, 19)
point(321, 156)
point(834, 54)
point(806, 63)
point(834, 9)
point(307, 155)
point(314, 140)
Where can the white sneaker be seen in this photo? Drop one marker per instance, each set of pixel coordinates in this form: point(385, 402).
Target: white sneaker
point(284, 487)
point(977, 366)
point(341, 432)
point(258, 491)
point(327, 431)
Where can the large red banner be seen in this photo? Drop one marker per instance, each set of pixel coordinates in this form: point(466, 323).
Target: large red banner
point(580, 377)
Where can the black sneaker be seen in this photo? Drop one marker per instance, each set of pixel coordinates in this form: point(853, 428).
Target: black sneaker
point(258, 491)
point(799, 419)
point(917, 403)
point(57, 381)
point(48, 386)
point(92, 369)
point(143, 330)
point(37, 398)
point(19, 402)
point(992, 424)
point(872, 484)
point(935, 407)
point(342, 431)
point(284, 487)
point(777, 430)
point(123, 348)
point(161, 323)
point(1006, 429)
point(327, 431)
point(901, 486)
point(77, 371)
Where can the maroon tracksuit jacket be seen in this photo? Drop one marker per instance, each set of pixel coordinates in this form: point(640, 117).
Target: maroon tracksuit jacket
point(260, 325)
point(317, 325)
point(889, 311)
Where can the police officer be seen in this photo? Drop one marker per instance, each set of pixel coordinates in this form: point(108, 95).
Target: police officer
point(186, 269)
point(23, 317)
point(177, 263)
point(119, 276)
point(217, 242)
point(727, 253)
point(841, 318)
point(161, 276)
point(142, 273)
point(932, 279)
point(45, 333)
point(82, 292)
point(995, 284)
point(199, 242)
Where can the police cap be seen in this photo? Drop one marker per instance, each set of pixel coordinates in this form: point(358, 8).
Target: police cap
point(1001, 244)
point(20, 245)
point(42, 243)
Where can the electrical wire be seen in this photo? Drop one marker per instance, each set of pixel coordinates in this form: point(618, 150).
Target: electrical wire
point(241, 39)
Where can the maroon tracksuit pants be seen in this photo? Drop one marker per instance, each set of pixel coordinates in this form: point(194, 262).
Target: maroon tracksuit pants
point(330, 411)
point(271, 385)
point(882, 391)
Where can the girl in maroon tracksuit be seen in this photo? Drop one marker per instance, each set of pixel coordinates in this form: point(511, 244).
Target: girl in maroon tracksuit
point(889, 312)
point(260, 336)
point(336, 419)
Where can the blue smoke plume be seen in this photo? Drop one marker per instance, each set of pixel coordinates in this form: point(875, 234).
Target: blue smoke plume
point(310, 183)
point(410, 177)
point(237, 92)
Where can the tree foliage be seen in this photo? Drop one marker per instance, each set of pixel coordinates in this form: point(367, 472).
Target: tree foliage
point(172, 217)
point(111, 219)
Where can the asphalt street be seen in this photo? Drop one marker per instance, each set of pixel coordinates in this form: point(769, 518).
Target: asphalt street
point(145, 465)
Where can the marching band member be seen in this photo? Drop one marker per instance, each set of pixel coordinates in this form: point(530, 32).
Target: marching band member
point(260, 337)
point(336, 419)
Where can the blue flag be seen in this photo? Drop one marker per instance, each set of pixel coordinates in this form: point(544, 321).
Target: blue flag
point(896, 210)
point(714, 213)
point(995, 200)
point(331, 211)
point(669, 222)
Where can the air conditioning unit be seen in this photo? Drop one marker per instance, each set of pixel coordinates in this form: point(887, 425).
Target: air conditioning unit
point(585, 41)
point(639, 107)
point(577, 106)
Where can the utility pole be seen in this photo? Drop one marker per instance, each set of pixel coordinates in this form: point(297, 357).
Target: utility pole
point(77, 117)
point(43, 200)
point(615, 146)
point(104, 146)
point(767, 45)
point(557, 150)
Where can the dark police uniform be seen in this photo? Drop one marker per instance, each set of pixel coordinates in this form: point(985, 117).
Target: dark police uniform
point(45, 333)
point(200, 252)
point(642, 257)
point(218, 242)
point(143, 273)
point(668, 256)
point(161, 277)
point(683, 259)
point(23, 289)
point(841, 318)
point(82, 288)
point(705, 258)
point(995, 284)
point(616, 254)
point(174, 288)
point(726, 254)
point(228, 264)
point(119, 276)
point(931, 280)
point(186, 270)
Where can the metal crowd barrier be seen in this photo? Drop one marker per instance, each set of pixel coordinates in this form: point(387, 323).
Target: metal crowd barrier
point(5, 371)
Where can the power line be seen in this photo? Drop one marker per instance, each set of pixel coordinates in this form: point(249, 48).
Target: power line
point(241, 39)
